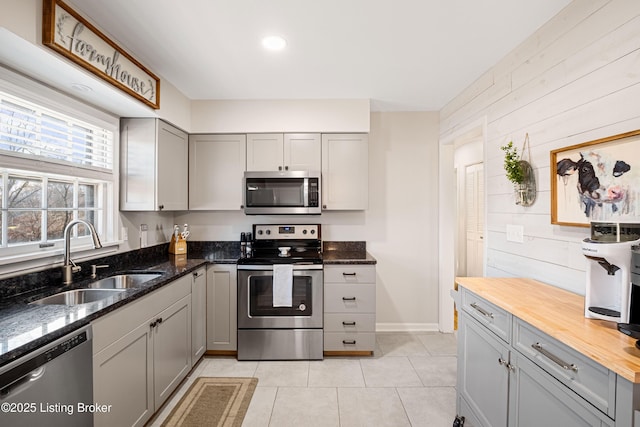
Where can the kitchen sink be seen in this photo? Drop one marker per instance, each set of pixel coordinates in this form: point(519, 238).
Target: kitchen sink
point(124, 281)
point(78, 296)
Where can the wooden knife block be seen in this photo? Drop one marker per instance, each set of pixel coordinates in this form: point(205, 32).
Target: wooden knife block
point(178, 246)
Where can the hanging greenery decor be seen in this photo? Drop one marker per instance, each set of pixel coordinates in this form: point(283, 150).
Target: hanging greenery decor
point(512, 165)
point(520, 172)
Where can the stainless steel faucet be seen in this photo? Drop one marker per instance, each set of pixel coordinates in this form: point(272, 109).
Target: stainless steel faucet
point(69, 267)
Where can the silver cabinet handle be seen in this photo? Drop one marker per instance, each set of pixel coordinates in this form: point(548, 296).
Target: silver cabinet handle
point(502, 362)
point(506, 364)
point(555, 359)
point(481, 310)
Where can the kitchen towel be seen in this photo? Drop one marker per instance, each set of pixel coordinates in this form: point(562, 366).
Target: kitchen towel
point(282, 285)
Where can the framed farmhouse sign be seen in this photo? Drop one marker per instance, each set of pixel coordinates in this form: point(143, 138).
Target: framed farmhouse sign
point(596, 181)
point(66, 32)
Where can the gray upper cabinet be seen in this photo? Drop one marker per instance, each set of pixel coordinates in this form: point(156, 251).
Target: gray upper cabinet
point(345, 171)
point(216, 168)
point(284, 152)
point(153, 166)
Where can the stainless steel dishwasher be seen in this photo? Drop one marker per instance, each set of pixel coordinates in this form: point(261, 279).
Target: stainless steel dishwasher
point(50, 386)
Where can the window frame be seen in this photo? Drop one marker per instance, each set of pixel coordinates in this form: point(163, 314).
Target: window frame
point(18, 259)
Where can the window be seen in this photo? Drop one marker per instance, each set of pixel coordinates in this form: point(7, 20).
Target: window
point(54, 168)
point(37, 209)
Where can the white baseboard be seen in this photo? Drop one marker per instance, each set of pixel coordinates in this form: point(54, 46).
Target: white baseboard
point(407, 327)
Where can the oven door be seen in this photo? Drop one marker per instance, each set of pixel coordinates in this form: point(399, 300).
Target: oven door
point(255, 298)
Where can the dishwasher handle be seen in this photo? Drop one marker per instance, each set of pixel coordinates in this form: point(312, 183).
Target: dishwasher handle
point(32, 366)
point(22, 383)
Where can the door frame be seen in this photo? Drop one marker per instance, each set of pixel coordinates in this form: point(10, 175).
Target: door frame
point(447, 223)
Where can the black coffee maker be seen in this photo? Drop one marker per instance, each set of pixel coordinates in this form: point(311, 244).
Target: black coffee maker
point(633, 327)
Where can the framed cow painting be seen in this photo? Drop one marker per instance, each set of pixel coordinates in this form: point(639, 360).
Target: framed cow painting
point(596, 181)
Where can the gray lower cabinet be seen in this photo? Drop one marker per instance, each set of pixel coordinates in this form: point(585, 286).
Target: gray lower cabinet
point(512, 375)
point(222, 296)
point(198, 315)
point(483, 381)
point(537, 399)
point(141, 353)
point(349, 308)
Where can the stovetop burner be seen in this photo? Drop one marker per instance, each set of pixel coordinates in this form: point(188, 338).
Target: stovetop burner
point(285, 244)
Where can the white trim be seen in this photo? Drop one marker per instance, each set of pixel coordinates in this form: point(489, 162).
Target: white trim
point(38, 93)
point(407, 327)
point(447, 224)
point(23, 264)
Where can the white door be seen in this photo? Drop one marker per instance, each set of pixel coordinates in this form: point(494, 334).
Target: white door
point(474, 213)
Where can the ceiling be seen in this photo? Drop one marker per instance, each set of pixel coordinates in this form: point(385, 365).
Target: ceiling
point(403, 55)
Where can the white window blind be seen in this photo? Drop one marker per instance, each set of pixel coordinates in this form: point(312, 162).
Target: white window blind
point(32, 131)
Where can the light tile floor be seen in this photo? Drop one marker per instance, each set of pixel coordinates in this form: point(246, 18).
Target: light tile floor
point(409, 381)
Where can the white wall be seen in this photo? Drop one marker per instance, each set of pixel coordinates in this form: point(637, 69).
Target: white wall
point(574, 80)
point(281, 115)
point(402, 218)
point(399, 226)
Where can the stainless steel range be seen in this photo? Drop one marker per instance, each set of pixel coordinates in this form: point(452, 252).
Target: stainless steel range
point(280, 294)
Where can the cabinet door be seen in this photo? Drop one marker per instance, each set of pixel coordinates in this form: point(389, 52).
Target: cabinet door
point(198, 315)
point(216, 168)
point(171, 348)
point(345, 171)
point(302, 152)
point(172, 168)
point(222, 307)
point(538, 399)
point(483, 378)
point(121, 378)
point(137, 177)
point(264, 152)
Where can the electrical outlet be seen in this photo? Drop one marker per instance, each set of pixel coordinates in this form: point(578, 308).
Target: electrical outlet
point(125, 233)
point(143, 235)
point(515, 233)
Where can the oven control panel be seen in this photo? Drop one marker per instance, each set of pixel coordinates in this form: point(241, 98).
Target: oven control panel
point(288, 232)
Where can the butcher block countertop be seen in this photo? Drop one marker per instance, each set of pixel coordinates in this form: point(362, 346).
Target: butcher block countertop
point(560, 314)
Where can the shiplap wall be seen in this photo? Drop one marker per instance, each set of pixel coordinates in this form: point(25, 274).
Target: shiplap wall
point(576, 79)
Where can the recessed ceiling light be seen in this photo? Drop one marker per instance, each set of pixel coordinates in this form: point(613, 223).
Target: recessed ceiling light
point(80, 87)
point(274, 43)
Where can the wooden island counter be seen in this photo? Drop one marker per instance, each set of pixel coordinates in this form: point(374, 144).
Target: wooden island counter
point(548, 364)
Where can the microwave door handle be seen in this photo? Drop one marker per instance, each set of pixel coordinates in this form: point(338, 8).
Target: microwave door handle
point(305, 193)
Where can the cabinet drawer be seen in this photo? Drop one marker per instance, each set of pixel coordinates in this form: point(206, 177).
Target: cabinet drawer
point(494, 318)
point(587, 378)
point(350, 274)
point(349, 322)
point(358, 298)
point(357, 341)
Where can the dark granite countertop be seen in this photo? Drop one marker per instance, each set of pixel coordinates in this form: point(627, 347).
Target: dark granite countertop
point(347, 252)
point(25, 327)
point(347, 257)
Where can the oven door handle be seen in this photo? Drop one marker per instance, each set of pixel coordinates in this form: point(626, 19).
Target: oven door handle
point(296, 267)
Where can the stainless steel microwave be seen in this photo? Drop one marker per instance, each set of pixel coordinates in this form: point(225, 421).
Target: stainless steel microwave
point(282, 193)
